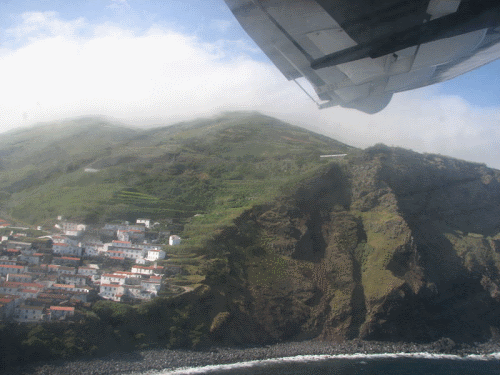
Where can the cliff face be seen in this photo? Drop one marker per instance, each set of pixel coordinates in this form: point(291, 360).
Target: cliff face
point(389, 245)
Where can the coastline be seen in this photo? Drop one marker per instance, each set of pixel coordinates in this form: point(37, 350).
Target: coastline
point(166, 359)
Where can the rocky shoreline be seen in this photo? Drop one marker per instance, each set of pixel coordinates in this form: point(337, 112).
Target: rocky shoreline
point(164, 359)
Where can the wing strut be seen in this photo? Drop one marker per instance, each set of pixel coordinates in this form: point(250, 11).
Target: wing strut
point(309, 95)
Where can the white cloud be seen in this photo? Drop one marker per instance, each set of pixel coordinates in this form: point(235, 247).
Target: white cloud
point(221, 25)
point(39, 25)
point(71, 68)
point(420, 120)
point(118, 4)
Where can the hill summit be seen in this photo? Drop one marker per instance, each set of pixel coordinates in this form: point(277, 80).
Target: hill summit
point(92, 170)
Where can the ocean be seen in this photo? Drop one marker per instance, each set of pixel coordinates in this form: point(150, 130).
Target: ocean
point(366, 364)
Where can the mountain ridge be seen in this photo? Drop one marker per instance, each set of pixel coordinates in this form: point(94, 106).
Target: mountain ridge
point(382, 244)
point(376, 262)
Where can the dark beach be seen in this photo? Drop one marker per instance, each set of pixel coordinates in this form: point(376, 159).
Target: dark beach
point(164, 359)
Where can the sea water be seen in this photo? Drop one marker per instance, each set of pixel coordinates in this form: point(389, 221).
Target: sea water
point(383, 364)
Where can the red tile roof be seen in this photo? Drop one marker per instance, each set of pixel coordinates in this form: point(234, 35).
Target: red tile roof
point(62, 308)
point(29, 291)
point(111, 275)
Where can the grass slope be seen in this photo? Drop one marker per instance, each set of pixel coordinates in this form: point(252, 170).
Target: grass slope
point(214, 167)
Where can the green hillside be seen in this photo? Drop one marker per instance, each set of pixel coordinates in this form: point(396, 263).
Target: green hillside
point(212, 168)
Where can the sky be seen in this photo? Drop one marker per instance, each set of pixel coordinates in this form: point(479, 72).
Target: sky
point(152, 62)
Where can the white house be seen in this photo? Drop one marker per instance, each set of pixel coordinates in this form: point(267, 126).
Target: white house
point(73, 229)
point(7, 268)
point(116, 243)
point(146, 222)
point(93, 249)
point(26, 314)
point(61, 312)
point(174, 240)
point(151, 285)
point(122, 235)
point(8, 305)
point(28, 293)
point(115, 254)
point(108, 278)
point(87, 271)
point(67, 249)
point(71, 288)
point(67, 261)
point(154, 255)
point(74, 279)
point(66, 270)
point(111, 291)
point(63, 239)
point(115, 227)
point(129, 275)
point(19, 277)
point(35, 258)
point(147, 270)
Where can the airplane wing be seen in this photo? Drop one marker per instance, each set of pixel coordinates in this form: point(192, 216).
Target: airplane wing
point(358, 53)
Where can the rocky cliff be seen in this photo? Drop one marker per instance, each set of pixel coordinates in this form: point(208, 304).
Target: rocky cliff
point(388, 245)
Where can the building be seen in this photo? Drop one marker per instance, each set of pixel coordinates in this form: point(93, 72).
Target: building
point(121, 244)
point(87, 271)
point(115, 227)
point(66, 270)
point(113, 279)
point(19, 277)
point(35, 258)
point(26, 314)
point(74, 279)
point(72, 261)
point(14, 269)
point(73, 229)
point(8, 303)
point(174, 240)
point(151, 285)
point(93, 249)
point(146, 222)
point(66, 249)
point(113, 292)
point(154, 255)
point(61, 312)
point(52, 267)
point(143, 270)
point(63, 239)
point(115, 254)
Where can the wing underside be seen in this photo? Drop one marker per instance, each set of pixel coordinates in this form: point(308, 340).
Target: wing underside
point(357, 53)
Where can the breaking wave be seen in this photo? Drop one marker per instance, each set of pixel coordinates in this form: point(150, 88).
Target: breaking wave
point(256, 366)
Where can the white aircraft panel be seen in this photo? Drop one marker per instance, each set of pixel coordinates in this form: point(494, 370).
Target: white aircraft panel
point(445, 50)
point(299, 17)
point(440, 8)
point(331, 40)
point(363, 70)
point(348, 94)
point(405, 81)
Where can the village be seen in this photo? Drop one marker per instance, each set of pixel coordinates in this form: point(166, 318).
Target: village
point(45, 278)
